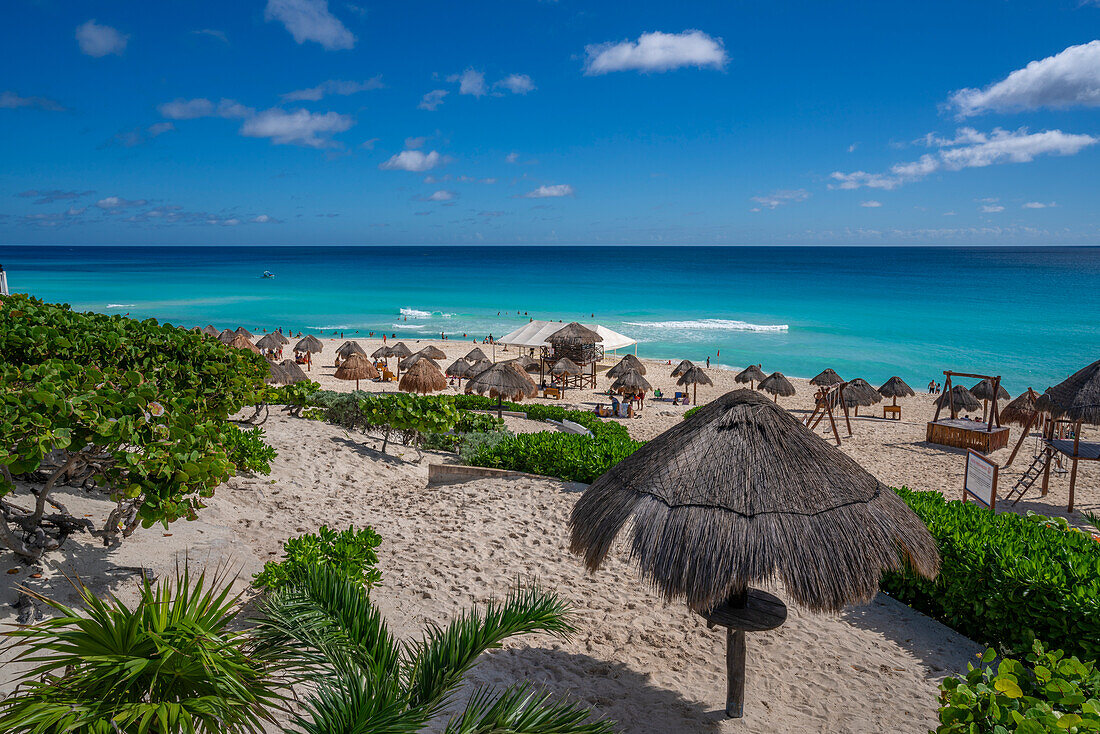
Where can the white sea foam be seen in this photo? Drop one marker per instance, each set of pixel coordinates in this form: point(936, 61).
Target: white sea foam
point(415, 313)
point(409, 326)
point(709, 325)
point(120, 305)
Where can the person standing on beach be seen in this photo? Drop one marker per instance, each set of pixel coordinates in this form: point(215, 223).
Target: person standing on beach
point(708, 362)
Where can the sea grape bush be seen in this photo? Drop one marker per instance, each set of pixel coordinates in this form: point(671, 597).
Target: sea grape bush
point(401, 415)
point(350, 554)
point(247, 450)
point(130, 408)
point(1006, 580)
point(1046, 692)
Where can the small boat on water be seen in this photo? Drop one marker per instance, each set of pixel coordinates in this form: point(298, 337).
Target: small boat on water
point(268, 274)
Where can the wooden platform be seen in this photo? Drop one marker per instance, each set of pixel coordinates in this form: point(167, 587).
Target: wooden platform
point(966, 434)
point(1087, 450)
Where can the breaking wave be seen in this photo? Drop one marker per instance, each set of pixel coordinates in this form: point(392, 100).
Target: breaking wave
point(120, 305)
point(709, 324)
point(415, 313)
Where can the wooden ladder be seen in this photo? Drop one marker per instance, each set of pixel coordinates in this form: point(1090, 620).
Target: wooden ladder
point(1029, 477)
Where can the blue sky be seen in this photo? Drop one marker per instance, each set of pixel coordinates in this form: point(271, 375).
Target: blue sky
point(528, 121)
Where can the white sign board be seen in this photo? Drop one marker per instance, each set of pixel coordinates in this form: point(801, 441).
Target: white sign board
point(981, 479)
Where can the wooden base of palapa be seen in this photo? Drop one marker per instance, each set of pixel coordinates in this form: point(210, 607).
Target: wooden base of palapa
point(751, 610)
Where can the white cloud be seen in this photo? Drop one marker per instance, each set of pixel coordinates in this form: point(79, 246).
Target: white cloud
point(1038, 205)
point(10, 100)
point(159, 128)
point(516, 84)
point(550, 192)
point(992, 208)
point(190, 109)
point(512, 157)
point(655, 52)
point(297, 127)
point(852, 147)
point(969, 149)
point(779, 198)
point(871, 204)
point(310, 20)
point(100, 40)
point(470, 81)
point(412, 160)
point(263, 219)
point(432, 99)
point(442, 195)
point(333, 86)
point(213, 33)
point(1067, 79)
point(115, 203)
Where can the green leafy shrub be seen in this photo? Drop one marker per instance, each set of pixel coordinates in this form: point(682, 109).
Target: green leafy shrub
point(1006, 580)
point(1047, 692)
point(247, 450)
point(691, 411)
point(349, 553)
point(296, 397)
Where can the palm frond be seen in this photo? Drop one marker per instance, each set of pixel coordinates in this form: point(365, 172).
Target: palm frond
point(348, 703)
point(439, 661)
point(523, 710)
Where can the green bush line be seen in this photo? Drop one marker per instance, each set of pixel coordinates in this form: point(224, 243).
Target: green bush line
point(1006, 579)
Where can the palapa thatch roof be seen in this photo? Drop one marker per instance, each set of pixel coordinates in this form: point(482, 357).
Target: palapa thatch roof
point(412, 359)
point(423, 377)
point(269, 341)
point(433, 352)
point(627, 363)
point(349, 348)
point(476, 355)
point(503, 380)
point(694, 376)
point(827, 378)
point(631, 381)
point(476, 368)
point(750, 374)
point(382, 352)
point(526, 363)
point(574, 333)
point(281, 337)
point(681, 368)
point(777, 384)
point(963, 399)
point(292, 373)
point(858, 392)
point(240, 341)
point(356, 367)
point(400, 350)
point(226, 336)
point(984, 391)
point(459, 368)
point(309, 343)
point(210, 330)
point(895, 387)
point(275, 373)
point(1077, 398)
point(241, 331)
point(742, 494)
point(1022, 408)
point(566, 366)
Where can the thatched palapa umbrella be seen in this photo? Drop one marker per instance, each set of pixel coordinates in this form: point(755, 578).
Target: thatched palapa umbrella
point(574, 333)
point(268, 341)
point(958, 399)
point(749, 374)
point(240, 341)
point(476, 368)
point(626, 364)
point(566, 368)
point(827, 378)
point(695, 377)
point(241, 331)
point(275, 374)
point(423, 377)
point(210, 330)
point(742, 493)
point(476, 355)
point(858, 392)
point(349, 348)
point(984, 391)
point(356, 367)
point(777, 385)
point(681, 368)
point(895, 388)
point(1023, 412)
point(281, 337)
point(400, 351)
point(459, 368)
point(226, 336)
point(309, 345)
point(500, 381)
point(631, 382)
point(413, 358)
point(1075, 399)
point(292, 373)
point(433, 352)
point(526, 363)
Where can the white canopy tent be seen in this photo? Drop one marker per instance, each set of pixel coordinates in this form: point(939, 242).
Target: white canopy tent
point(536, 334)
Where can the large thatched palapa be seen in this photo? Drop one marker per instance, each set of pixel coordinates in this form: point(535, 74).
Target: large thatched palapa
point(423, 377)
point(281, 337)
point(741, 494)
point(502, 381)
point(752, 373)
point(827, 378)
point(1076, 401)
point(777, 385)
point(626, 364)
point(413, 358)
point(356, 367)
point(574, 333)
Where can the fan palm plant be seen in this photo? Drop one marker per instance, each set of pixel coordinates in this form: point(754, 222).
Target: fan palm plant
point(324, 629)
point(169, 665)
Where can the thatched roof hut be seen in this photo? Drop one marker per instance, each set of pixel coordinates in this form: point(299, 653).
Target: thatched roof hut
point(502, 381)
point(349, 348)
point(383, 352)
point(1022, 410)
point(681, 368)
point(1077, 398)
point(210, 330)
point(423, 377)
point(694, 376)
point(566, 367)
point(476, 368)
point(750, 374)
point(961, 398)
point(984, 391)
point(226, 336)
point(356, 367)
point(859, 393)
point(742, 493)
point(476, 355)
point(292, 373)
point(895, 388)
point(413, 358)
point(459, 368)
point(827, 378)
point(281, 337)
point(275, 373)
point(432, 352)
point(777, 385)
point(574, 333)
point(526, 363)
point(240, 341)
point(241, 331)
point(310, 344)
point(268, 341)
point(400, 351)
point(627, 363)
point(631, 382)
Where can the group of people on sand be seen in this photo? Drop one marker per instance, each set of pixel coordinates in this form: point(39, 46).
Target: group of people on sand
point(934, 387)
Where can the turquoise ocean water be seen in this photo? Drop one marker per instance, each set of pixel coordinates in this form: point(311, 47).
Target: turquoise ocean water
point(1028, 314)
